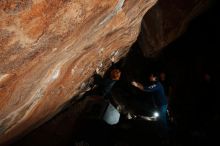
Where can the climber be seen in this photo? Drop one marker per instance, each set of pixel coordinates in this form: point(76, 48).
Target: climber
point(111, 115)
point(157, 90)
point(109, 82)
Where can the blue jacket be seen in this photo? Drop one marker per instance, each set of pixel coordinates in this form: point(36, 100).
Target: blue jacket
point(157, 91)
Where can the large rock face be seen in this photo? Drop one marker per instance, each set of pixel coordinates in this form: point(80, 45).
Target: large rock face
point(49, 48)
point(166, 21)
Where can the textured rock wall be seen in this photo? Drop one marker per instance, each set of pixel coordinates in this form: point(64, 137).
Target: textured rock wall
point(166, 21)
point(49, 48)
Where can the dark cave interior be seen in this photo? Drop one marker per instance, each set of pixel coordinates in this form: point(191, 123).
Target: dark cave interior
point(194, 103)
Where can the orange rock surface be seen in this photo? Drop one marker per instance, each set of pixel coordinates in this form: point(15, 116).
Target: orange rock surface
point(50, 48)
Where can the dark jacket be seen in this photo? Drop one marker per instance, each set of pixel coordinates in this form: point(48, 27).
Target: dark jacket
point(157, 91)
point(107, 87)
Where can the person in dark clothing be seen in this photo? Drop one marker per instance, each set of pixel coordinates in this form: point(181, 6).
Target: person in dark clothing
point(156, 89)
point(109, 82)
point(169, 92)
point(166, 84)
point(101, 101)
point(111, 115)
point(104, 85)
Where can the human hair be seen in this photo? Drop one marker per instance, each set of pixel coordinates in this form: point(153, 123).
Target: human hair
point(115, 74)
point(153, 76)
